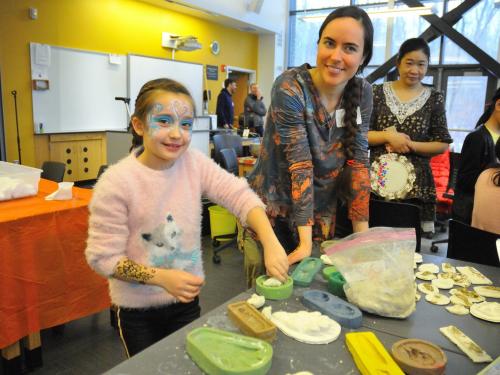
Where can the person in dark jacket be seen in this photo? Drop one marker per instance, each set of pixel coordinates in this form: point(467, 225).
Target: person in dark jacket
point(255, 110)
point(225, 105)
point(477, 153)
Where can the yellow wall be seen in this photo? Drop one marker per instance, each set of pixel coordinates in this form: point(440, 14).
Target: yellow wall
point(114, 26)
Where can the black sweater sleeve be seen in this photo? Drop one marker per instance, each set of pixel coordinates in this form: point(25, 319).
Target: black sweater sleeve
point(471, 162)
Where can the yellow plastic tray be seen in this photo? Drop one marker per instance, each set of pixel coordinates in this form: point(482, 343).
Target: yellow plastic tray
point(369, 354)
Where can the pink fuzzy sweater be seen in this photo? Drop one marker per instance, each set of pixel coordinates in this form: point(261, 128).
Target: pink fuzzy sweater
point(154, 218)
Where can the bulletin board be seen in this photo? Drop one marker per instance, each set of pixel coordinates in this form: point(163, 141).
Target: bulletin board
point(82, 86)
point(143, 69)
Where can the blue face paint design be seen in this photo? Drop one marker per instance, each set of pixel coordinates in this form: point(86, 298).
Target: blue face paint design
point(180, 115)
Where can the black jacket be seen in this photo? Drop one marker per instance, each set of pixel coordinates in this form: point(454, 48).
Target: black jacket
point(478, 152)
point(225, 109)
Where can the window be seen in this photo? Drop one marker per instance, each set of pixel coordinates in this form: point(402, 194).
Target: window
point(465, 98)
point(316, 4)
point(480, 26)
point(412, 26)
point(304, 33)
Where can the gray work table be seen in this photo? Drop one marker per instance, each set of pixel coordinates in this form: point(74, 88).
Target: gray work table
point(169, 356)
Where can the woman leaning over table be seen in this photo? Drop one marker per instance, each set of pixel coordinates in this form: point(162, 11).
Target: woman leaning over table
point(315, 145)
point(409, 118)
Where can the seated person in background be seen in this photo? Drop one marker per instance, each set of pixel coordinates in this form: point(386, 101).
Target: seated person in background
point(486, 211)
point(409, 118)
point(477, 153)
point(255, 110)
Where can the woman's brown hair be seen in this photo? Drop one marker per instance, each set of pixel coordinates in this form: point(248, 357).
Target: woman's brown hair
point(352, 94)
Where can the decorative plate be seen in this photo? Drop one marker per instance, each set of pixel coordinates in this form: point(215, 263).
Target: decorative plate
point(392, 176)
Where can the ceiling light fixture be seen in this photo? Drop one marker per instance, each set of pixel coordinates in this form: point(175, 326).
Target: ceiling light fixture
point(386, 13)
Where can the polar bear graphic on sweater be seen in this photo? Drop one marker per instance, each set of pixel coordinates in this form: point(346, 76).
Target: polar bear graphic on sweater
point(163, 248)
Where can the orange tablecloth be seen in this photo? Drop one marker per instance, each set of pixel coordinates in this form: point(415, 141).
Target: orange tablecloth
point(44, 277)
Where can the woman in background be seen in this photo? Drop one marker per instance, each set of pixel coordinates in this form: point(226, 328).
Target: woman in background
point(409, 118)
point(477, 153)
point(314, 146)
point(486, 211)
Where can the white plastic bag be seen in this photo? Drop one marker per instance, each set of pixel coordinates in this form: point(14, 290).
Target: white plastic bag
point(378, 268)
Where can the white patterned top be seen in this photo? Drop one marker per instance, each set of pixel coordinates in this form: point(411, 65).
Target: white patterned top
point(400, 109)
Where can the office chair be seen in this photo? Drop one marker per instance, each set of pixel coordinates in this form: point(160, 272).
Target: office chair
point(397, 215)
point(53, 170)
point(472, 245)
point(229, 161)
point(444, 204)
point(222, 141)
point(440, 167)
point(102, 169)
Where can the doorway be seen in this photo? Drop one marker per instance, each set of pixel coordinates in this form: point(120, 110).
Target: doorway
point(243, 78)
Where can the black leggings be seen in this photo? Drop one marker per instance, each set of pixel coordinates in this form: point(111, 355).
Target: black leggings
point(140, 328)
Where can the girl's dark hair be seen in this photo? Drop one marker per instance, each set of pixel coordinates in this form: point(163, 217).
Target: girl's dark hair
point(352, 94)
point(144, 101)
point(496, 176)
point(489, 110)
point(414, 44)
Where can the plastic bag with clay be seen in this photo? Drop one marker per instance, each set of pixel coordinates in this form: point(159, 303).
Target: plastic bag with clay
point(378, 268)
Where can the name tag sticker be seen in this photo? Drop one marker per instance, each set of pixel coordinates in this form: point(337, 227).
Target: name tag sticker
point(339, 117)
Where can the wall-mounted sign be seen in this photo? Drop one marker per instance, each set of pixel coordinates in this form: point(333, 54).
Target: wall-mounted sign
point(212, 72)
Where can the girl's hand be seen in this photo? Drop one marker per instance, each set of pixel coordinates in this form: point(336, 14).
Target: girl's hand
point(301, 252)
point(398, 142)
point(181, 284)
point(276, 261)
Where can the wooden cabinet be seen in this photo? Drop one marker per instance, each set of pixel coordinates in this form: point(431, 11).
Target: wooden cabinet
point(83, 154)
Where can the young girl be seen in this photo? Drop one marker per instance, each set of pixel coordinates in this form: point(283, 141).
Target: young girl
point(145, 219)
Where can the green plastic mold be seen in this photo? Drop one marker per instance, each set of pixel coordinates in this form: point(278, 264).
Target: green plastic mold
point(304, 273)
point(327, 271)
point(219, 352)
point(274, 292)
point(336, 284)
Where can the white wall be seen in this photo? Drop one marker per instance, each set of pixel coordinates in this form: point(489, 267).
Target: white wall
point(271, 24)
point(272, 16)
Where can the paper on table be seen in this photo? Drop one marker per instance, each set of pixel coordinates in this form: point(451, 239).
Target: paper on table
point(64, 192)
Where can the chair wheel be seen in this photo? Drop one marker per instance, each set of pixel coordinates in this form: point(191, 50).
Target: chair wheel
point(215, 243)
point(216, 259)
point(434, 248)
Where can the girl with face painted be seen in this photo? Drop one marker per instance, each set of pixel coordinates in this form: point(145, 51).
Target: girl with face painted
point(314, 146)
point(409, 118)
point(145, 219)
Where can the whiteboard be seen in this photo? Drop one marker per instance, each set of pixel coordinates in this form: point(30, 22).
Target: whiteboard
point(143, 69)
point(81, 94)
